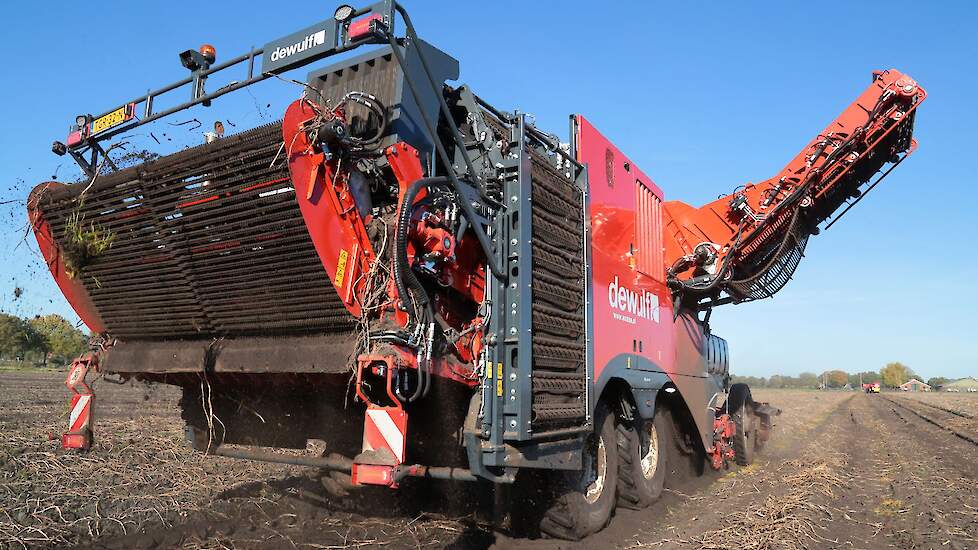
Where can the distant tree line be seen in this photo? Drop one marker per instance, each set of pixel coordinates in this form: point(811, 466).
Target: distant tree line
point(890, 376)
point(41, 340)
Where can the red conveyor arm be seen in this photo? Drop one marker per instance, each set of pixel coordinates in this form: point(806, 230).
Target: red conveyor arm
point(747, 244)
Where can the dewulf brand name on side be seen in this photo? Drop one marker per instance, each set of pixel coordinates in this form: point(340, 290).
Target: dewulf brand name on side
point(311, 41)
point(628, 302)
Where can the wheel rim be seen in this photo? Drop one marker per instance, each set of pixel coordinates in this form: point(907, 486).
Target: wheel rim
point(650, 453)
point(597, 472)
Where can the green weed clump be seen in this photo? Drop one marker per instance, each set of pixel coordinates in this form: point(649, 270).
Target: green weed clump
point(83, 243)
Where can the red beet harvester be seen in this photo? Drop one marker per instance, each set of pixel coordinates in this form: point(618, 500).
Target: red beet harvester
point(430, 286)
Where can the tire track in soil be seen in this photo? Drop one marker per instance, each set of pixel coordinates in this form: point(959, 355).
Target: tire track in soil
point(960, 424)
point(906, 485)
point(752, 492)
point(689, 505)
point(896, 482)
point(284, 512)
point(929, 480)
point(890, 499)
point(945, 409)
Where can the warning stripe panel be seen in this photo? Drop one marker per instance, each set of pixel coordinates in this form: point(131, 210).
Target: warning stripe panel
point(80, 417)
point(385, 429)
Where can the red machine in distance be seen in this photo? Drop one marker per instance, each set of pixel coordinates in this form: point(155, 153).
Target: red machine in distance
point(871, 387)
point(434, 287)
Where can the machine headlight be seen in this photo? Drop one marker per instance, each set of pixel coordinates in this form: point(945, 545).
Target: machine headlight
point(343, 13)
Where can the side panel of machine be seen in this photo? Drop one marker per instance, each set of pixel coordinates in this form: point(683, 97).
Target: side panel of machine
point(633, 326)
point(631, 308)
point(693, 369)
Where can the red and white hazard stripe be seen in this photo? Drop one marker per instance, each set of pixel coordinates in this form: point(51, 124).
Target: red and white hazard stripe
point(79, 431)
point(385, 428)
point(81, 413)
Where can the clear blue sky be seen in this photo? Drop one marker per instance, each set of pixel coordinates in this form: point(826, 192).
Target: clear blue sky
point(704, 96)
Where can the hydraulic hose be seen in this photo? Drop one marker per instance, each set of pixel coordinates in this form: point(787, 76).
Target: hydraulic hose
point(495, 266)
point(717, 277)
point(403, 275)
point(374, 105)
point(407, 282)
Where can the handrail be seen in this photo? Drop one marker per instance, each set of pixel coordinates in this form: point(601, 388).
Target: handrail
point(324, 39)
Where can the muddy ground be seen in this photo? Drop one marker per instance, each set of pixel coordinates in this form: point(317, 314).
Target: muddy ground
point(844, 470)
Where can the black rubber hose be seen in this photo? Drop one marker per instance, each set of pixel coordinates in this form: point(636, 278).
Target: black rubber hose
point(427, 316)
point(404, 276)
point(497, 268)
point(402, 271)
point(377, 108)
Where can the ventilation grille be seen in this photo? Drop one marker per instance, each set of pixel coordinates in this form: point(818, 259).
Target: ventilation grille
point(648, 233)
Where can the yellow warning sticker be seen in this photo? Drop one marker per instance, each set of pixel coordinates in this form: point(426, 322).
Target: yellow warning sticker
point(499, 380)
point(340, 269)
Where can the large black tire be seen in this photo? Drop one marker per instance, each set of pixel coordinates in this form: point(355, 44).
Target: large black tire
point(644, 456)
point(744, 438)
point(739, 407)
point(586, 499)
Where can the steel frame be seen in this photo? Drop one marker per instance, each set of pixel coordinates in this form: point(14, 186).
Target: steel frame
point(338, 43)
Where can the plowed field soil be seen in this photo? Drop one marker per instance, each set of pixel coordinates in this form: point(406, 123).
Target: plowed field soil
point(843, 470)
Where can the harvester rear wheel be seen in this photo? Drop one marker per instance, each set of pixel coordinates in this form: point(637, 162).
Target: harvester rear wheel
point(762, 431)
point(585, 499)
point(644, 448)
point(743, 441)
point(740, 409)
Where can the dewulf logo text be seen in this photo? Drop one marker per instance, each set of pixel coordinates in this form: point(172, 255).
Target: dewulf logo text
point(631, 304)
point(310, 41)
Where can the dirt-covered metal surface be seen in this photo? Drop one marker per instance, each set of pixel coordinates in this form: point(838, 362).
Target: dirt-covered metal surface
point(558, 326)
point(205, 242)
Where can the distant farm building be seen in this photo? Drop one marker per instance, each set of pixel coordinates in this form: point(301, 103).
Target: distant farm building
point(914, 385)
point(962, 385)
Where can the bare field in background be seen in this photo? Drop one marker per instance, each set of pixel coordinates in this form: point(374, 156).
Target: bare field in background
point(962, 402)
point(842, 469)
